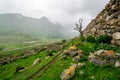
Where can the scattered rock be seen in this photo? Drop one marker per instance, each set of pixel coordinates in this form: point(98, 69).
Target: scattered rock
point(79, 65)
point(73, 48)
point(76, 58)
point(80, 53)
point(68, 73)
point(64, 57)
point(36, 62)
point(81, 72)
point(107, 22)
point(99, 52)
point(91, 55)
point(92, 77)
point(46, 58)
point(52, 47)
point(117, 64)
point(20, 69)
point(73, 53)
point(96, 60)
point(116, 35)
point(66, 52)
point(109, 54)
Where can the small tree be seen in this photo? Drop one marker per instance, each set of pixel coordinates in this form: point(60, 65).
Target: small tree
point(79, 26)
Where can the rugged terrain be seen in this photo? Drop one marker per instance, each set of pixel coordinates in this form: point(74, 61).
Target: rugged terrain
point(106, 22)
point(81, 58)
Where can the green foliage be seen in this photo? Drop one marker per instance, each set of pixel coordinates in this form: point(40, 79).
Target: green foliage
point(50, 53)
point(63, 41)
point(2, 48)
point(103, 39)
point(107, 47)
point(90, 39)
point(82, 38)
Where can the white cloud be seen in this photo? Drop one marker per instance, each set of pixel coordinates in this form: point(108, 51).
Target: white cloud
point(65, 12)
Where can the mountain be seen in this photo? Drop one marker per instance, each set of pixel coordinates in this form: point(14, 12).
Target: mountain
point(107, 22)
point(13, 24)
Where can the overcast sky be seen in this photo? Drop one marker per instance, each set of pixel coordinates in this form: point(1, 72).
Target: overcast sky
point(65, 12)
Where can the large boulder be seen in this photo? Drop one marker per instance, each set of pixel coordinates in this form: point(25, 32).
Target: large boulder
point(68, 73)
point(53, 47)
point(36, 62)
point(117, 64)
point(116, 35)
point(73, 48)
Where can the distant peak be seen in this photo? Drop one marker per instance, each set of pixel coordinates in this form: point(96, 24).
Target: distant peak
point(13, 15)
point(44, 18)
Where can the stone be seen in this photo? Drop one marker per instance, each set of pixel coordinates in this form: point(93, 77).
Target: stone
point(52, 47)
point(99, 52)
point(113, 42)
point(73, 53)
point(109, 54)
point(116, 35)
point(117, 64)
point(118, 23)
point(118, 55)
point(118, 42)
point(91, 55)
point(20, 69)
point(76, 58)
point(92, 77)
point(97, 61)
point(68, 73)
point(81, 72)
point(93, 29)
point(66, 52)
point(64, 57)
point(36, 62)
point(73, 48)
point(107, 18)
point(80, 65)
point(47, 57)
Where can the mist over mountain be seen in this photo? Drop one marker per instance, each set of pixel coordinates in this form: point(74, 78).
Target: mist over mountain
point(15, 24)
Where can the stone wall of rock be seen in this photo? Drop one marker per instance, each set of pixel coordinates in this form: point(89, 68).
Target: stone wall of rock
point(106, 22)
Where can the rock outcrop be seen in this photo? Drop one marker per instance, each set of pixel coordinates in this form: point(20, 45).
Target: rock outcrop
point(107, 22)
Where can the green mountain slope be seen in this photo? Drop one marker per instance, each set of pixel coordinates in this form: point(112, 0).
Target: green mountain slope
point(12, 24)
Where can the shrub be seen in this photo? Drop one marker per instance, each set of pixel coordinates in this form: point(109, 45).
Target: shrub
point(50, 53)
point(63, 41)
point(82, 38)
point(90, 39)
point(103, 39)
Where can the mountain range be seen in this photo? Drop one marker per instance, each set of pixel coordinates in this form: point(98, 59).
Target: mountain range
point(15, 24)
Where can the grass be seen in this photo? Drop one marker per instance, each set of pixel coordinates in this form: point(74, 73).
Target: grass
point(107, 72)
point(53, 73)
point(27, 63)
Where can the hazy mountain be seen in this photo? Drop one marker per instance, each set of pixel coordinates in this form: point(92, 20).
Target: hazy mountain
point(14, 24)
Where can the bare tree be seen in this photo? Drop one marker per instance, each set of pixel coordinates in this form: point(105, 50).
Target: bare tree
point(79, 26)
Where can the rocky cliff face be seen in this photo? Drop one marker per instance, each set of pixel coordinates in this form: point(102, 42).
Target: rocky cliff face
point(106, 22)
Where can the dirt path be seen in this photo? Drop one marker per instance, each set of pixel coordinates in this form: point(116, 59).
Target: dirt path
point(45, 67)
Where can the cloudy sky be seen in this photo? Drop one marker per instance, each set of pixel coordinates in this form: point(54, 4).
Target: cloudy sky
point(65, 12)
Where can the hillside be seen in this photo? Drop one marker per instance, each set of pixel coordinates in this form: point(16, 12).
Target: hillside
point(15, 24)
point(107, 22)
point(88, 57)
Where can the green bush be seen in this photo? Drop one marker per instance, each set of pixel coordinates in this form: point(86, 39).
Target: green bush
point(103, 39)
point(90, 39)
point(63, 41)
point(82, 38)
